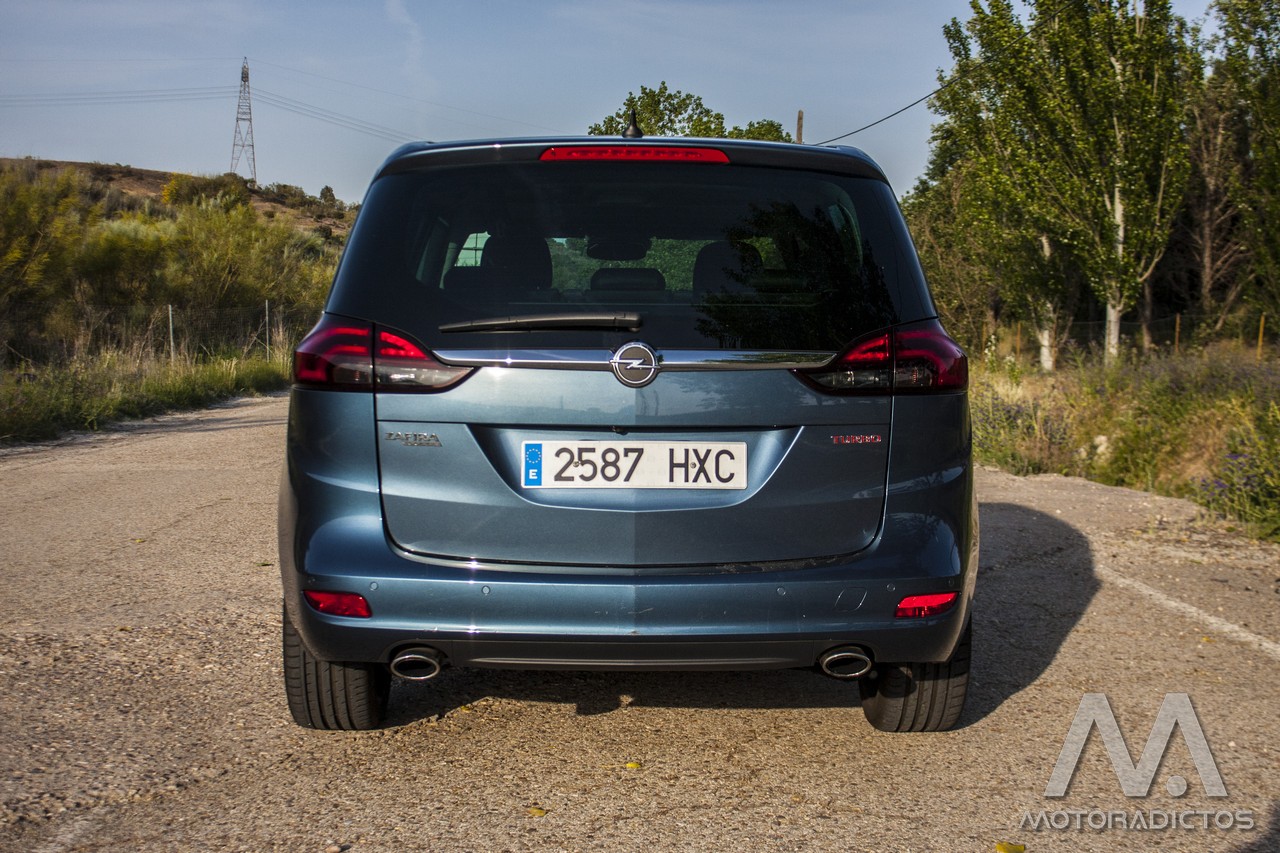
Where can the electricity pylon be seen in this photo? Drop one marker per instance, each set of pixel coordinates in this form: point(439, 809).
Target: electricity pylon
point(243, 142)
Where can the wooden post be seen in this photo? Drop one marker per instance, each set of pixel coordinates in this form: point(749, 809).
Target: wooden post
point(267, 313)
point(1177, 331)
point(1017, 343)
point(1262, 325)
point(172, 354)
point(800, 127)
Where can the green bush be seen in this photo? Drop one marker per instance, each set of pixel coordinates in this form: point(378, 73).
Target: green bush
point(230, 189)
point(76, 259)
point(1204, 426)
point(1246, 483)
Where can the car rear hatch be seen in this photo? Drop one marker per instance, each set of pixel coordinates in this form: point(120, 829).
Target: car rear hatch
point(723, 470)
point(620, 357)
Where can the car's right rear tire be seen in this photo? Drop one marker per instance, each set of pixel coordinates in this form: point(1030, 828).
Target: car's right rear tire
point(918, 697)
point(332, 695)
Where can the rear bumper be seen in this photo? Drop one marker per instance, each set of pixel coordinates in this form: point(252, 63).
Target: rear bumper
point(503, 617)
point(375, 642)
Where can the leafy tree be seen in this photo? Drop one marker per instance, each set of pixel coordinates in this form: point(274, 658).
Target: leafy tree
point(1250, 62)
point(941, 211)
point(1215, 240)
point(328, 205)
point(667, 112)
point(1078, 119)
point(766, 129)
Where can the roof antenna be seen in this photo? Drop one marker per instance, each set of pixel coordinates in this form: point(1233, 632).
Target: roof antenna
point(633, 130)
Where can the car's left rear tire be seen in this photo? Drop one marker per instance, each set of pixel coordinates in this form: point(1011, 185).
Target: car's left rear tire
point(918, 697)
point(332, 695)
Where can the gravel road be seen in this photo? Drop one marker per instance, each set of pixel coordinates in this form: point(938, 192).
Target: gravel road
point(141, 705)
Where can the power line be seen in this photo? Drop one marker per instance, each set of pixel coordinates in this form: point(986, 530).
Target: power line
point(959, 74)
point(159, 96)
point(173, 60)
point(138, 96)
point(330, 117)
point(406, 97)
point(916, 102)
point(87, 98)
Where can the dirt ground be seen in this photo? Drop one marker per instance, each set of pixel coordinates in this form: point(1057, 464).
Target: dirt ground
point(141, 704)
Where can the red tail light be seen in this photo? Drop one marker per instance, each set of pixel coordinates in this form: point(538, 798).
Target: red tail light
point(920, 606)
point(401, 365)
point(634, 153)
point(926, 359)
point(341, 354)
point(338, 603)
point(917, 358)
point(335, 354)
point(866, 366)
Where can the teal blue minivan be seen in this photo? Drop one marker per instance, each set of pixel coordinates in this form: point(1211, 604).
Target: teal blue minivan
point(628, 404)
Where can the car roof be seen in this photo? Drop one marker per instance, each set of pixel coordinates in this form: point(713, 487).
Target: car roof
point(842, 159)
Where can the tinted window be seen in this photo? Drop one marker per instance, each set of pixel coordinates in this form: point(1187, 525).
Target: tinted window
point(708, 256)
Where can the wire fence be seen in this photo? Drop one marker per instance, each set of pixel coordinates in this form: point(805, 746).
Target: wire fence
point(1182, 330)
point(1177, 333)
point(155, 331)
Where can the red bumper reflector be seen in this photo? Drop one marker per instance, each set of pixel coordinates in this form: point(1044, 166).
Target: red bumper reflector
point(661, 153)
point(919, 606)
point(338, 603)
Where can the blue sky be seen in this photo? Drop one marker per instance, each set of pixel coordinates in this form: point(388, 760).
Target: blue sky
point(71, 72)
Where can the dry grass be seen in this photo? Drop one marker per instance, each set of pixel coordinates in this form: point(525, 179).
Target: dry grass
point(89, 393)
point(1204, 425)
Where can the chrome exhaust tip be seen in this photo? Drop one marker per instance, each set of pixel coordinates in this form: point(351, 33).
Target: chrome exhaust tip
point(417, 664)
point(845, 663)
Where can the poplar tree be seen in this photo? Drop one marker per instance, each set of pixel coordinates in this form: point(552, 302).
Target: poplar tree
point(1250, 64)
point(1077, 120)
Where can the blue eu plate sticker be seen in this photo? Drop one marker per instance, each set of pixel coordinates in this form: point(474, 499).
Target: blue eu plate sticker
point(533, 463)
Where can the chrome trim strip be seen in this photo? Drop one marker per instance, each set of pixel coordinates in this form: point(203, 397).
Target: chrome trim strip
point(472, 564)
point(600, 359)
point(556, 359)
point(742, 359)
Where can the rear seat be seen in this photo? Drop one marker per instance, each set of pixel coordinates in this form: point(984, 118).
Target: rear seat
point(628, 284)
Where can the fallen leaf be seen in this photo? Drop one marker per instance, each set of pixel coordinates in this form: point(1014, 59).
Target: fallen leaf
point(536, 811)
point(632, 765)
point(1010, 847)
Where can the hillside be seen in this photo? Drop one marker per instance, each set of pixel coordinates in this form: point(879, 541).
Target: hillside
point(275, 201)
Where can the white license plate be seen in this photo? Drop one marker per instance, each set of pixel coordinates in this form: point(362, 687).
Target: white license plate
point(634, 465)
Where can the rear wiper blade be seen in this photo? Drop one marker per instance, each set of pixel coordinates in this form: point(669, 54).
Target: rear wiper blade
point(624, 320)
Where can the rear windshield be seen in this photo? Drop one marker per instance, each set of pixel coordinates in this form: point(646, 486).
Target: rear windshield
point(688, 256)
